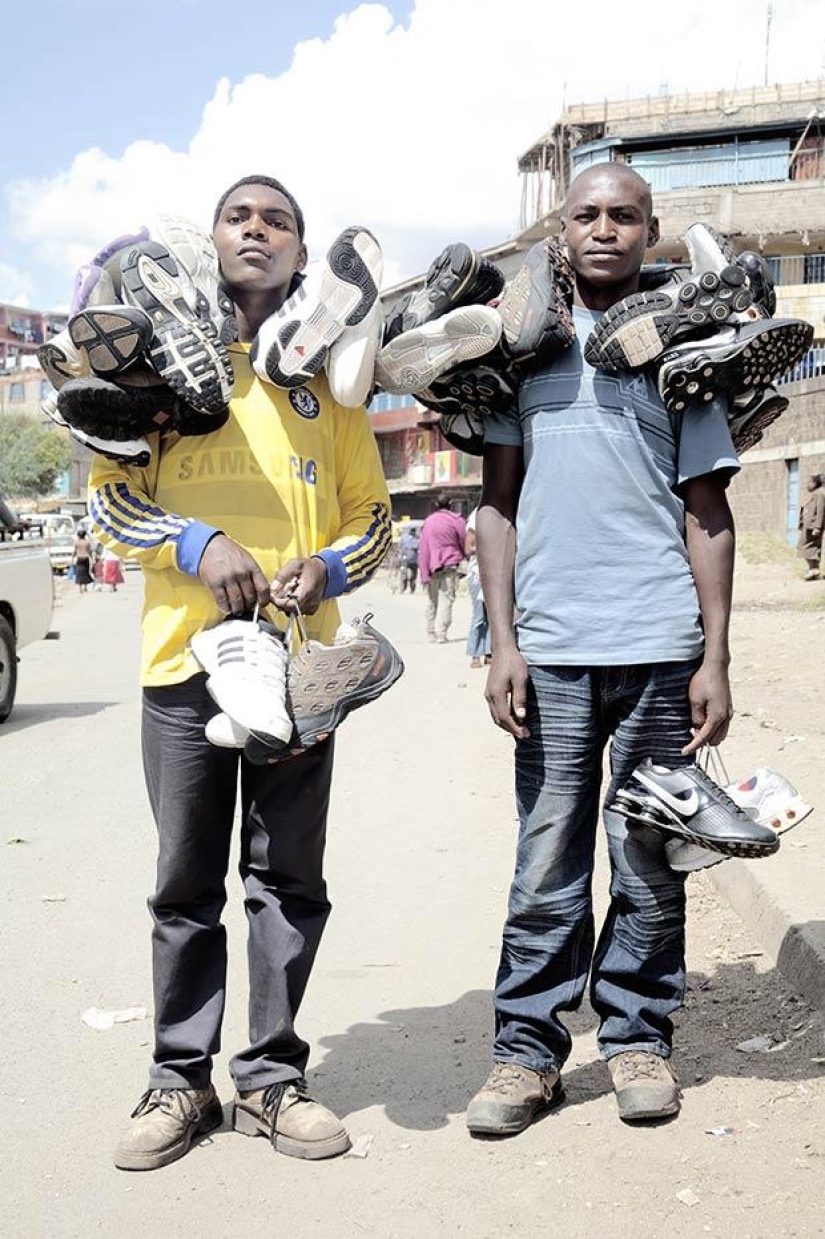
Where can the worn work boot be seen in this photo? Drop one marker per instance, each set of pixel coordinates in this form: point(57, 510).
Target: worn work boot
point(296, 1125)
point(511, 1098)
point(164, 1124)
point(645, 1086)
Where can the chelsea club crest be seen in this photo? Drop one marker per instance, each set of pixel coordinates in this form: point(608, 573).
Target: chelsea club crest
point(304, 402)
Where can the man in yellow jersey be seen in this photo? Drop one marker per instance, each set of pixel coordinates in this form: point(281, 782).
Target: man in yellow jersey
point(289, 490)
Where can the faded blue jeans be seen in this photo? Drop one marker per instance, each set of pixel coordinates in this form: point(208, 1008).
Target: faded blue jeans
point(637, 972)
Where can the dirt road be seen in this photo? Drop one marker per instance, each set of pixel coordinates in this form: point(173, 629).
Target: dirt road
point(419, 859)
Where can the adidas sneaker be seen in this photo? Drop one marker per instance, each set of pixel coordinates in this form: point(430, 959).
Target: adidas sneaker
point(293, 344)
point(350, 363)
point(246, 662)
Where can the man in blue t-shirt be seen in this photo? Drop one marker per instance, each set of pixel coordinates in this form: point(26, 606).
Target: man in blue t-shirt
point(605, 529)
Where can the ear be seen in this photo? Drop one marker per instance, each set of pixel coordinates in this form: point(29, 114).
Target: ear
point(653, 231)
point(562, 225)
point(300, 265)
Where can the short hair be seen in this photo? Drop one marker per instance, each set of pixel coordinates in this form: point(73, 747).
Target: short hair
point(442, 501)
point(627, 171)
point(271, 183)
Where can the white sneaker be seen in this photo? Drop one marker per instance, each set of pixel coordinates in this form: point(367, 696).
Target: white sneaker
point(292, 345)
point(350, 363)
point(416, 358)
point(769, 798)
point(246, 663)
point(225, 733)
point(686, 857)
point(195, 251)
point(61, 360)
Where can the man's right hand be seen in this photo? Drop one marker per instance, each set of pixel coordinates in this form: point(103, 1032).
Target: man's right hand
point(236, 581)
point(506, 692)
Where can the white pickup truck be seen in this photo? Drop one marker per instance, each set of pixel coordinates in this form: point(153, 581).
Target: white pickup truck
point(26, 598)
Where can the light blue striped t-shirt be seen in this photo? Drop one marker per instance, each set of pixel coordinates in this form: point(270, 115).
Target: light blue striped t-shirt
point(602, 572)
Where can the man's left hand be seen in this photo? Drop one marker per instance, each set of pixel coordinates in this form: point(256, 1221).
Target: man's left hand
point(711, 707)
point(301, 582)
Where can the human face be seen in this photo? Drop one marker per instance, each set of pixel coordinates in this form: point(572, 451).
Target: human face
point(257, 241)
point(607, 229)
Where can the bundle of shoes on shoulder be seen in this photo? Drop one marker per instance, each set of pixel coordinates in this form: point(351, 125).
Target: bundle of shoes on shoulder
point(146, 350)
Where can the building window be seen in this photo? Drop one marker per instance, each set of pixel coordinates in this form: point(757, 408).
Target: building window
point(814, 269)
point(17, 393)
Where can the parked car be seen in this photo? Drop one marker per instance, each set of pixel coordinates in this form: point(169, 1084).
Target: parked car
point(57, 530)
point(26, 599)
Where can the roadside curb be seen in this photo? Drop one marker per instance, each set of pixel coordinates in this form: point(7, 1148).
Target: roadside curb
point(796, 946)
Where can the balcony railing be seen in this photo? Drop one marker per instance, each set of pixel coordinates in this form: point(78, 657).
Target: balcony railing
point(811, 366)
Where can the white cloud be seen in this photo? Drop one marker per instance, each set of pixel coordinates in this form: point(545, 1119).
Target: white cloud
point(15, 286)
point(414, 130)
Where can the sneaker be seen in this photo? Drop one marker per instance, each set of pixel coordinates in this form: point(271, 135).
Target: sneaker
point(294, 1122)
point(164, 1124)
point(743, 357)
point(458, 276)
point(225, 733)
point(685, 857)
point(246, 662)
point(751, 414)
point(464, 431)
point(638, 329)
point(194, 249)
point(60, 360)
point(760, 281)
point(99, 282)
point(536, 308)
point(292, 345)
point(481, 388)
point(414, 360)
point(350, 363)
point(687, 802)
point(770, 799)
point(135, 452)
point(325, 683)
point(645, 1086)
point(511, 1098)
point(185, 349)
point(104, 409)
point(113, 337)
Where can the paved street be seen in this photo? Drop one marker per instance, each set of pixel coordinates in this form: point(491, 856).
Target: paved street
point(420, 854)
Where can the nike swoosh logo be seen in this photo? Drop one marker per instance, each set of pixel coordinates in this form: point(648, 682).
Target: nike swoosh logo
point(685, 806)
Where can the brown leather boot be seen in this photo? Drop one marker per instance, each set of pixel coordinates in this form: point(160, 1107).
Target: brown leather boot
point(164, 1124)
point(645, 1085)
point(511, 1099)
point(296, 1125)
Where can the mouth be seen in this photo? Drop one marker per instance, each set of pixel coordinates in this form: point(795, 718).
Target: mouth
point(603, 255)
point(253, 253)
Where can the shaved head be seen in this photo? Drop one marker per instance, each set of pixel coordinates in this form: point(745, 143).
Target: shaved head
point(617, 174)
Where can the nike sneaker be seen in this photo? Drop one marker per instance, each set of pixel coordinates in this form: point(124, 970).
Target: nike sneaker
point(325, 683)
point(293, 344)
point(246, 664)
point(688, 803)
point(744, 357)
point(98, 282)
point(464, 431)
point(770, 799)
point(638, 329)
point(750, 415)
point(760, 281)
point(185, 349)
point(458, 276)
point(413, 361)
point(536, 308)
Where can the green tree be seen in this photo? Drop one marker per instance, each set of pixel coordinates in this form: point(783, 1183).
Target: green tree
point(32, 456)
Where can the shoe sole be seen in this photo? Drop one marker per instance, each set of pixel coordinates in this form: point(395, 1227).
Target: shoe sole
point(537, 320)
point(348, 290)
point(350, 362)
point(746, 431)
point(647, 1116)
point(211, 1120)
point(446, 280)
point(57, 367)
point(645, 814)
point(249, 1124)
point(113, 337)
point(135, 452)
point(416, 359)
point(556, 1097)
point(97, 407)
point(310, 731)
point(474, 391)
point(185, 349)
point(639, 329)
point(765, 351)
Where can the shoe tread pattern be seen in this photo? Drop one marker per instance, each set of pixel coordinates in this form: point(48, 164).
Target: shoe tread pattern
point(762, 356)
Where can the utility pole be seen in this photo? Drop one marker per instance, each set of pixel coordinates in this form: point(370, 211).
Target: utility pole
point(768, 20)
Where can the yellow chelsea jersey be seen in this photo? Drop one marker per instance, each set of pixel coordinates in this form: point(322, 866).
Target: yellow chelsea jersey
point(290, 474)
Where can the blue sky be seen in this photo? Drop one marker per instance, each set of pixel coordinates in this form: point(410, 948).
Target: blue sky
point(404, 115)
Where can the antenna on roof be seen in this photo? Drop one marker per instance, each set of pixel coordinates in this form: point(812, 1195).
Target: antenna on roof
point(768, 20)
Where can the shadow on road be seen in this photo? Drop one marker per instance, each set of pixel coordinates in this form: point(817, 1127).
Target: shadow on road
point(29, 715)
point(423, 1064)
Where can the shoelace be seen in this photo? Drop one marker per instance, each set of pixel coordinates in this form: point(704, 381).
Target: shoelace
point(502, 1075)
point(717, 792)
point(639, 1067)
point(171, 1100)
point(274, 1096)
point(255, 647)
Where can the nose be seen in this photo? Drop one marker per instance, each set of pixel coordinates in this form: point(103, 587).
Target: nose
point(603, 227)
point(255, 227)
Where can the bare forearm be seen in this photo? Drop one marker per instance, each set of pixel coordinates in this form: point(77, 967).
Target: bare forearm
point(711, 549)
point(496, 549)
